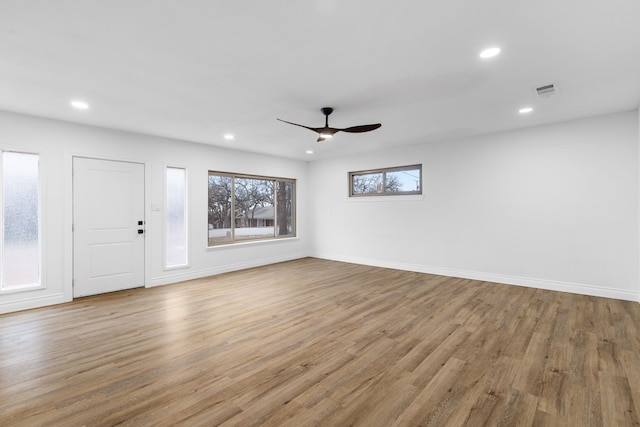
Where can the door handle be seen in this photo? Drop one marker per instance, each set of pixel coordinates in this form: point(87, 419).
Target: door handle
point(140, 231)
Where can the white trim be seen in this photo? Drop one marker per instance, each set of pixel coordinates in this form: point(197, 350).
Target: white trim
point(23, 288)
point(36, 302)
point(242, 244)
point(638, 211)
point(386, 198)
point(529, 282)
point(187, 223)
point(42, 284)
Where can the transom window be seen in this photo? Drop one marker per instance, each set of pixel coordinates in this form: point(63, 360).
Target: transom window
point(386, 182)
point(247, 207)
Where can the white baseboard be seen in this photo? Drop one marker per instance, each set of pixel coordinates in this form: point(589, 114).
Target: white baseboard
point(176, 277)
point(552, 285)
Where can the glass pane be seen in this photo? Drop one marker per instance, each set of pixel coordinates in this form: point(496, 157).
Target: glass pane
point(403, 181)
point(286, 220)
point(367, 183)
point(220, 192)
point(176, 232)
point(254, 209)
point(20, 204)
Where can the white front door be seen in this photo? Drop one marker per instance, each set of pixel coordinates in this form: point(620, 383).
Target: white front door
point(108, 226)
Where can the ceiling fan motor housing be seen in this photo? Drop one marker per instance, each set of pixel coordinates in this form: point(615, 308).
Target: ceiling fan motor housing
point(326, 110)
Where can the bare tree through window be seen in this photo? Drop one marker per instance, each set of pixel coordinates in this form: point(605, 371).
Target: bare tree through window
point(388, 181)
point(245, 207)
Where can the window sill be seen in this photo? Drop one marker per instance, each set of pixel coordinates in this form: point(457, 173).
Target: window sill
point(251, 243)
point(176, 267)
point(18, 289)
point(403, 198)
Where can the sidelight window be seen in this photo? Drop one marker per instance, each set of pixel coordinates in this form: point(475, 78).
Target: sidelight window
point(20, 243)
point(176, 217)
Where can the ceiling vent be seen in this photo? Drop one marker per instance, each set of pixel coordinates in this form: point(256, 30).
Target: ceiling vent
point(547, 90)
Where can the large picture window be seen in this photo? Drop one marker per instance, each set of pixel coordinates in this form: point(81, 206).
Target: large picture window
point(20, 244)
point(386, 182)
point(245, 207)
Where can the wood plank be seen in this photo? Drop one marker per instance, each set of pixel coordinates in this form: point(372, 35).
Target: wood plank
point(617, 402)
point(316, 342)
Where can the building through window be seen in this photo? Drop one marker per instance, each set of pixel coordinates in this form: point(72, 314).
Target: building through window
point(245, 207)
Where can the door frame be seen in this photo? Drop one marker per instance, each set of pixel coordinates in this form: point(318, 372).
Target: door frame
point(68, 215)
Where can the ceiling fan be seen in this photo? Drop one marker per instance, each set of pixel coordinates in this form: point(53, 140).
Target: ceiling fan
point(327, 132)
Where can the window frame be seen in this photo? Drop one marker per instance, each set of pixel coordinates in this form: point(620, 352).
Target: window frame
point(384, 172)
point(276, 236)
point(186, 218)
point(40, 283)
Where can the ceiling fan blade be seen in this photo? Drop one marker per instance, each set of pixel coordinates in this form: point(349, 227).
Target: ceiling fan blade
point(361, 128)
point(319, 130)
point(327, 132)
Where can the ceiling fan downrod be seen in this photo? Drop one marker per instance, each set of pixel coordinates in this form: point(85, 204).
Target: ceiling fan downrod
point(326, 111)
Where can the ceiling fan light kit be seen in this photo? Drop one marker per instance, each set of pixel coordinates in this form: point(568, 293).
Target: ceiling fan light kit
point(327, 132)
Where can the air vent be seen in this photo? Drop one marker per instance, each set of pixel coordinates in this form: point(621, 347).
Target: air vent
point(547, 90)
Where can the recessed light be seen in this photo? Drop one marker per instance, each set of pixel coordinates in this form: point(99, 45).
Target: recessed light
point(489, 53)
point(525, 110)
point(309, 151)
point(79, 105)
point(229, 137)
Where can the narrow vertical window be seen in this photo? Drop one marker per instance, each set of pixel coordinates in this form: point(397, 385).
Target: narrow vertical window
point(285, 220)
point(220, 209)
point(176, 217)
point(20, 221)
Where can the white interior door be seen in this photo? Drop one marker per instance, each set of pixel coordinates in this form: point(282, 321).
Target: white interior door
point(108, 226)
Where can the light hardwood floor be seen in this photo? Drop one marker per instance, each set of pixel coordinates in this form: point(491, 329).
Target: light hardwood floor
point(315, 342)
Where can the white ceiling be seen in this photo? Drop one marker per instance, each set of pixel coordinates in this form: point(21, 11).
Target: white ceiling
point(195, 70)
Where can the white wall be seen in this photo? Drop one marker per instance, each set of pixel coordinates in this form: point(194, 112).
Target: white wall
point(57, 142)
point(554, 207)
